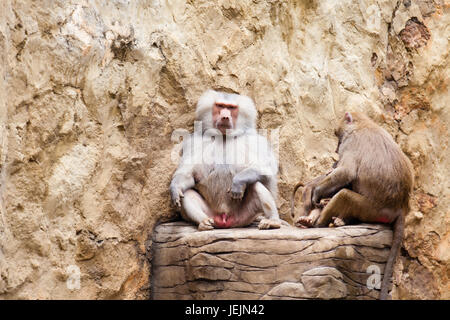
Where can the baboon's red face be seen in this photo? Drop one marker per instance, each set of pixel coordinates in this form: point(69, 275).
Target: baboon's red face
point(224, 116)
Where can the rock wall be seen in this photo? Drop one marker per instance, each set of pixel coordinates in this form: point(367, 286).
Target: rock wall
point(91, 91)
point(286, 263)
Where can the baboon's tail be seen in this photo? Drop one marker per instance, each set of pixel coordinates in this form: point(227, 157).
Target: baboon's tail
point(298, 185)
point(397, 239)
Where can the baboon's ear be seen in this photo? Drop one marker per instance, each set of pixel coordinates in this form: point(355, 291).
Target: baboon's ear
point(348, 118)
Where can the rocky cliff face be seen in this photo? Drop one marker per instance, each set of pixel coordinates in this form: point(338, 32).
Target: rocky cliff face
point(91, 91)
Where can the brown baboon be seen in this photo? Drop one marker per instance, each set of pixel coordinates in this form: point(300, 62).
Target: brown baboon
point(371, 182)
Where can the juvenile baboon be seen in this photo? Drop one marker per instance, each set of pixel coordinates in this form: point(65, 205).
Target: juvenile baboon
point(372, 182)
point(227, 174)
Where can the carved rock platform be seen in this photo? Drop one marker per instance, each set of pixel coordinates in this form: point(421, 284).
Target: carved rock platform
point(286, 263)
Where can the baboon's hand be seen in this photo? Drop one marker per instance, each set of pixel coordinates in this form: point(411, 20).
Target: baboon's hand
point(323, 202)
point(177, 194)
point(269, 224)
point(237, 190)
point(206, 224)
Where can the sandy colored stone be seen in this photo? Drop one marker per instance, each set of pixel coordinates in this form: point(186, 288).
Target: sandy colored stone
point(326, 269)
point(91, 92)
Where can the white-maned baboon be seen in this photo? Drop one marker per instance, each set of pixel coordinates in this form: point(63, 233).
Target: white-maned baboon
point(227, 176)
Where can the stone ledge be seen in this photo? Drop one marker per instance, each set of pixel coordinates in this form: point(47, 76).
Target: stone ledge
point(286, 263)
